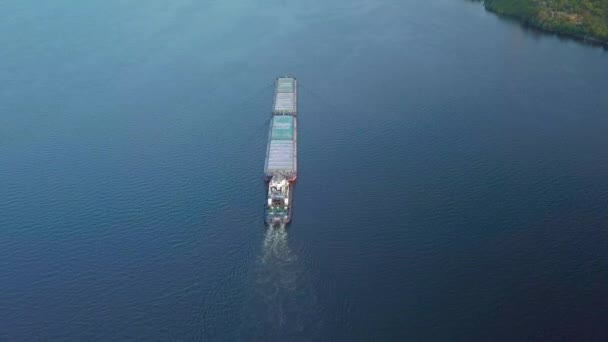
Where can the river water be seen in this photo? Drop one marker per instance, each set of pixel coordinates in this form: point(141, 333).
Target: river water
point(453, 176)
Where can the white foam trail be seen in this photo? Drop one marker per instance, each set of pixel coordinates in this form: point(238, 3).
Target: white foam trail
point(284, 302)
point(276, 247)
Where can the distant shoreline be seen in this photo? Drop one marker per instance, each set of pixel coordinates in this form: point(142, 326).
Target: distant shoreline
point(576, 22)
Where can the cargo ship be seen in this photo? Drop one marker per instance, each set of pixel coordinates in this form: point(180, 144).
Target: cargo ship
point(281, 165)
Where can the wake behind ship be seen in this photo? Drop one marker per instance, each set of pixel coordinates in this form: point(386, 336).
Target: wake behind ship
point(281, 166)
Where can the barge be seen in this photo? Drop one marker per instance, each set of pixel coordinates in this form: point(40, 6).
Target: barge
point(281, 165)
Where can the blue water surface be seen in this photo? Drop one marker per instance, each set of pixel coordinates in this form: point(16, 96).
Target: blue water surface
point(453, 180)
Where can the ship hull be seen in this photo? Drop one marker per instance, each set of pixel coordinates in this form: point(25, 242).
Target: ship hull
point(282, 151)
